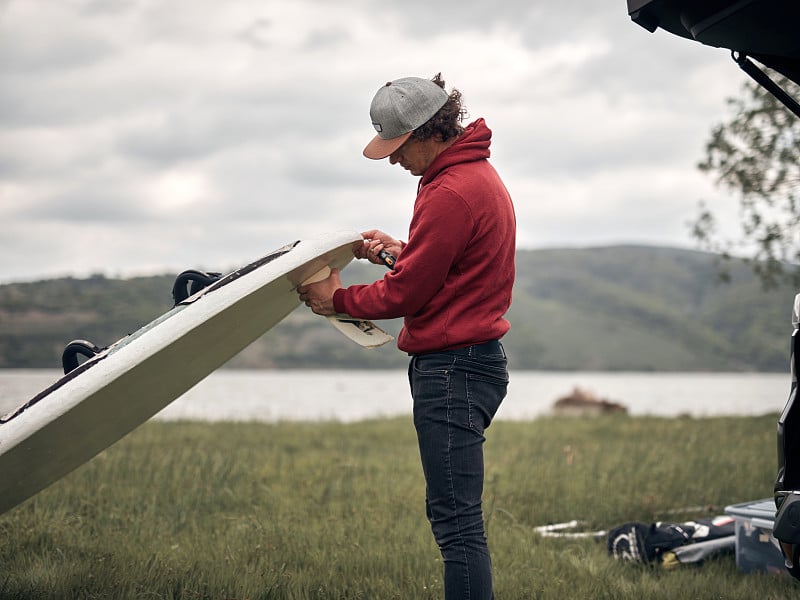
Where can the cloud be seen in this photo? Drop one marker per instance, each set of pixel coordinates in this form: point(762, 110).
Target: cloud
point(162, 135)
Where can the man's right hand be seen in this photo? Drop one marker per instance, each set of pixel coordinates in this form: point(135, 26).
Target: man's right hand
point(374, 242)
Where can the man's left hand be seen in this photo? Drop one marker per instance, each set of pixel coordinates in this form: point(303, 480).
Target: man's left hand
point(319, 296)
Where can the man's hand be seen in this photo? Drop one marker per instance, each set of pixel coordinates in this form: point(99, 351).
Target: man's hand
point(374, 242)
point(319, 296)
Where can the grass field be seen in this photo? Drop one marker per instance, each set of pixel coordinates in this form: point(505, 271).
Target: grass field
point(296, 511)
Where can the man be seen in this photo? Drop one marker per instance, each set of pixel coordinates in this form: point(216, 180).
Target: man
point(452, 284)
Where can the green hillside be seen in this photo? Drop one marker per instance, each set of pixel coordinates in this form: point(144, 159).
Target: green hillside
point(644, 308)
point(615, 308)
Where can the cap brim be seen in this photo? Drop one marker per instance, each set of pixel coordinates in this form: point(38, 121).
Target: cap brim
point(380, 148)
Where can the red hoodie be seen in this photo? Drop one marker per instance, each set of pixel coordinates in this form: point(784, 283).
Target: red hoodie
point(452, 281)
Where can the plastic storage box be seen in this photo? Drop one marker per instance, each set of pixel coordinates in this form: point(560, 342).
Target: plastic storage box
point(756, 548)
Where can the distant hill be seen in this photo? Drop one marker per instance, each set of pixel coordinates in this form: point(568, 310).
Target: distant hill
point(613, 308)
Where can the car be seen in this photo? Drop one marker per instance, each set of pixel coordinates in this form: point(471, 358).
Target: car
point(787, 485)
point(765, 31)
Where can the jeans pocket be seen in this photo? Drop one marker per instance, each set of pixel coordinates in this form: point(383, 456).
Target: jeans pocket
point(486, 388)
point(428, 364)
point(430, 380)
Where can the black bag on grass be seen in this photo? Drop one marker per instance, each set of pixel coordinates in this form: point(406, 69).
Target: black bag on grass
point(661, 542)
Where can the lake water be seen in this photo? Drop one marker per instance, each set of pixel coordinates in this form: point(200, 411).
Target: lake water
point(354, 395)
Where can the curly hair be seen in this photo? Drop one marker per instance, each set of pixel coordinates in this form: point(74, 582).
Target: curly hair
point(446, 123)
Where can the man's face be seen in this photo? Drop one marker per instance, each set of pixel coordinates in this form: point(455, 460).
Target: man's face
point(416, 155)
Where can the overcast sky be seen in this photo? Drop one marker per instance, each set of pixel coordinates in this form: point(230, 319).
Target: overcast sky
point(148, 136)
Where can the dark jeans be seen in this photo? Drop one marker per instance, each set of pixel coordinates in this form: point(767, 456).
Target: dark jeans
point(456, 394)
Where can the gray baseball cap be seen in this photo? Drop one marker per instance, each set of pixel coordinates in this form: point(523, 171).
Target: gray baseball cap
point(398, 108)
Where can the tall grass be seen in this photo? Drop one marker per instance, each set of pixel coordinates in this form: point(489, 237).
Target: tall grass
point(296, 511)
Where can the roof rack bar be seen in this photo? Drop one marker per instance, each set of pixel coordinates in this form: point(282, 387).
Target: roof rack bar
point(764, 80)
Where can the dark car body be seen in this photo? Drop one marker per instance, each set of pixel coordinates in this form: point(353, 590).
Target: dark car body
point(767, 31)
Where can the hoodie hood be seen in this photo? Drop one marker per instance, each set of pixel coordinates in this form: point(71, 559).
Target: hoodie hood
point(470, 146)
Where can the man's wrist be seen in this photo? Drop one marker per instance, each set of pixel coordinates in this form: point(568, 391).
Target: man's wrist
point(338, 300)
